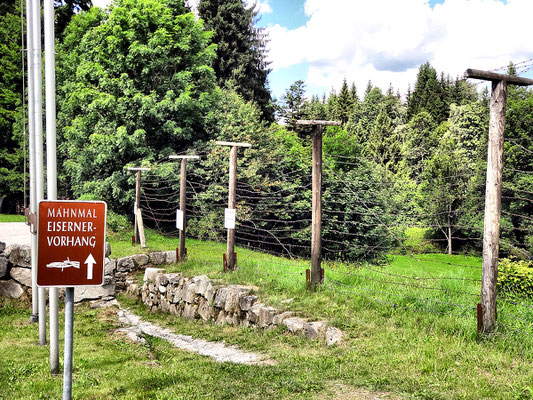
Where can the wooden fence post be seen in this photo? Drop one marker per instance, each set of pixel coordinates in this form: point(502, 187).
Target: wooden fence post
point(232, 190)
point(316, 223)
point(137, 229)
point(491, 227)
point(183, 202)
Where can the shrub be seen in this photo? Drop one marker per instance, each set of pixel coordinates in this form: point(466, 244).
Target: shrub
point(116, 222)
point(515, 277)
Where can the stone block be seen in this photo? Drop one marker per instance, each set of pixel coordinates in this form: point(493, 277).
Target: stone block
point(140, 260)
point(11, 289)
point(157, 257)
point(109, 271)
point(162, 289)
point(125, 264)
point(165, 305)
point(205, 311)
point(94, 292)
point(253, 313)
point(21, 275)
point(314, 330)
point(210, 294)
point(107, 251)
point(235, 292)
point(176, 294)
point(175, 278)
point(170, 257)
point(221, 318)
point(151, 273)
point(2, 247)
point(333, 336)
point(294, 324)
point(172, 309)
point(189, 293)
point(246, 302)
point(18, 255)
point(220, 297)
point(266, 316)
point(163, 280)
point(190, 311)
point(279, 318)
point(233, 318)
point(202, 283)
point(3, 266)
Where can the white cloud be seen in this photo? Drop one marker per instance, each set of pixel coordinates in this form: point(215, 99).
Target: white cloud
point(386, 40)
point(101, 3)
point(262, 7)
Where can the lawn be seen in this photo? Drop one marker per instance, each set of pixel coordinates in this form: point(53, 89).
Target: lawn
point(410, 331)
point(12, 218)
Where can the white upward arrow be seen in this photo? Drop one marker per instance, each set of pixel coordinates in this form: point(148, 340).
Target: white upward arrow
point(90, 261)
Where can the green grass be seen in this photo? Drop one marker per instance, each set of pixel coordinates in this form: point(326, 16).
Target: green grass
point(11, 218)
point(413, 342)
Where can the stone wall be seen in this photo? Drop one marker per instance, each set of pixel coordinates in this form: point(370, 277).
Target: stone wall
point(199, 298)
point(15, 272)
point(192, 298)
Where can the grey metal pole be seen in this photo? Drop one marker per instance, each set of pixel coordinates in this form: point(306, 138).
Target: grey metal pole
point(38, 123)
point(31, 129)
point(51, 162)
point(69, 341)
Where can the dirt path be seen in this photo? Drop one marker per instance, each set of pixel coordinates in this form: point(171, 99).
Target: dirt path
point(15, 233)
point(218, 351)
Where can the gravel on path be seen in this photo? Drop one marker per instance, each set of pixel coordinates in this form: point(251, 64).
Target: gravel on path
point(220, 352)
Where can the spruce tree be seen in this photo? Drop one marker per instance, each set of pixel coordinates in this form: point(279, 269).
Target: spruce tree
point(428, 95)
point(293, 102)
point(344, 103)
point(241, 51)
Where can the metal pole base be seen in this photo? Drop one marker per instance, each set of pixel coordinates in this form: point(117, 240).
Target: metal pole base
point(34, 318)
point(69, 328)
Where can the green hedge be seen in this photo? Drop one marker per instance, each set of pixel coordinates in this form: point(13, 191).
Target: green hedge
point(515, 277)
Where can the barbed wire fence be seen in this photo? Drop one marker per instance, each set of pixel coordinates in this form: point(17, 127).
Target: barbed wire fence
point(365, 250)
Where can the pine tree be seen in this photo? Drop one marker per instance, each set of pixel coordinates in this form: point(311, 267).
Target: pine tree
point(292, 102)
point(331, 106)
point(344, 103)
point(353, 94)
point(428, 95)
point(241, 51)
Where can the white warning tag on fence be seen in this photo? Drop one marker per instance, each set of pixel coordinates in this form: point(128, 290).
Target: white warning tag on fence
point(229, 218)
point(179, 219)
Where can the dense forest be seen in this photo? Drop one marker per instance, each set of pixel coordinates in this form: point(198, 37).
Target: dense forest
point(146, 79)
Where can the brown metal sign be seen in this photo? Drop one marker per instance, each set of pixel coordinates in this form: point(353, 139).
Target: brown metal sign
point(71, 243)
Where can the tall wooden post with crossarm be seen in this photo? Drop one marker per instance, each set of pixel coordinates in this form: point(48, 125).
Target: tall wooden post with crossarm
point(491, 228)
point(316, 221)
